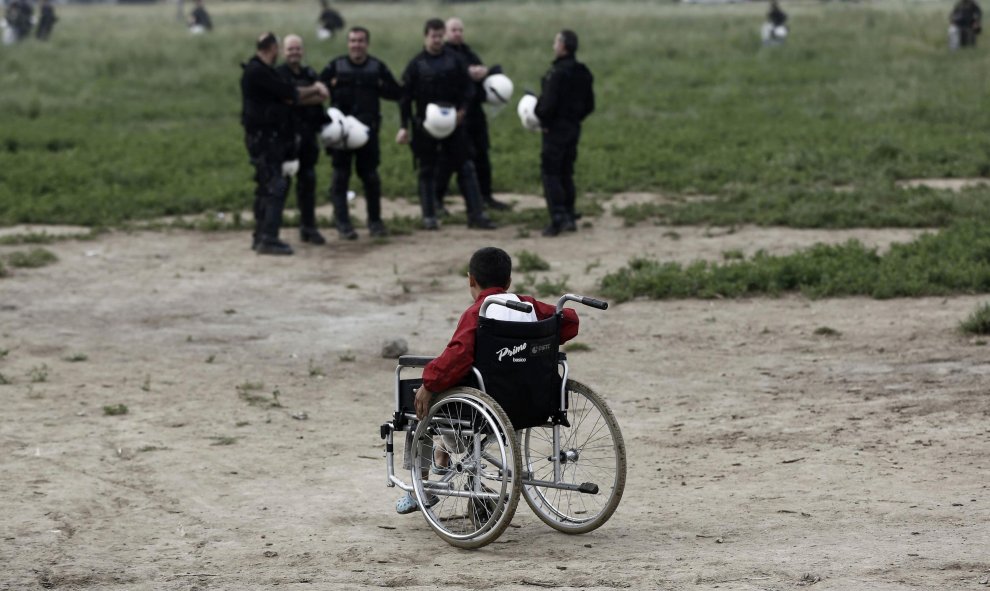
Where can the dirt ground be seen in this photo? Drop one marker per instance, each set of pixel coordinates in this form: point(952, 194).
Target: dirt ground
point(762, 455)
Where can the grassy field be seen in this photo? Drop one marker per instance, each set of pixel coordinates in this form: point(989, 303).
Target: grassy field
point(124, 116)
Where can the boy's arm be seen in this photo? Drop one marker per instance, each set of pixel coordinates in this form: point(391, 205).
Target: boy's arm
point(456, 360)
point(568, 323)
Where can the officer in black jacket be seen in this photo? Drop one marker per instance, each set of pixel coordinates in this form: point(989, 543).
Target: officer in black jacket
point(967, 16)
point(475, 120)
point(357, 81)
point(438, 75)
point(200, 18)
point(307, 119)
point(270, 138)
point(47, 20)
point(566, 98)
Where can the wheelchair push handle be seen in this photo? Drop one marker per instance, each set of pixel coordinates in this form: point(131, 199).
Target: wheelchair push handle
point(524, 307)
point(570, 297)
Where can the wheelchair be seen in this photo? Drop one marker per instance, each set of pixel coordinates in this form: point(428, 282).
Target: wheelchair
point(522, 428)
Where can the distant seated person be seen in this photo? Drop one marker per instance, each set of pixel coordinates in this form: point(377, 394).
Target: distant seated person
point(775, 29)
point(489, 275)
point(330, 21)
point(199, 20)
point(965, 23)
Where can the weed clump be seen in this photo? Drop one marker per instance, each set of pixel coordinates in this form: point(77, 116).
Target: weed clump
point(955, 260)
point(977, 323)
point(114, 410)
point(36, 257)
point(527, 261)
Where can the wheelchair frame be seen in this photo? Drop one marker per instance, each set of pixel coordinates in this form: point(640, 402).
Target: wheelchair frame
point(408, 422)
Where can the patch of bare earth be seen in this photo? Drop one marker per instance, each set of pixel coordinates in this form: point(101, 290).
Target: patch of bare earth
point(944, 184)
point(761, 455)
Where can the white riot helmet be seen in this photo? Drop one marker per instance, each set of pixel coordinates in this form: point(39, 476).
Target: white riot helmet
point(440, 120)
point(356, 134)
point(332, 134)
point(527, 112)
point(498, 89)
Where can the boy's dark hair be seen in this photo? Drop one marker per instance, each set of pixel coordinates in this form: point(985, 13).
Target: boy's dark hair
point(491, 267)
point(367, 33)
point(570, 40)
point(267, 41)
point(434, 24)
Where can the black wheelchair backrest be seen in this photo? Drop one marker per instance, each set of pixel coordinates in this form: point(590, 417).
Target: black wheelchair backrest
point(518, 362)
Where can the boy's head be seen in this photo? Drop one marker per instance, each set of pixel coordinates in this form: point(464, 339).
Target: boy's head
point(491, 267)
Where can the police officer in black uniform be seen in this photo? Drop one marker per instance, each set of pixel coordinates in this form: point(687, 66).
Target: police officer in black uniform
point(566, 98)
point(475, 120)
point(357, 81)
point(967, 16)
point(200, 18)
point(438, 75)
point(329, 19)
point(307, 120)
point(46, 21)
point(270, 138)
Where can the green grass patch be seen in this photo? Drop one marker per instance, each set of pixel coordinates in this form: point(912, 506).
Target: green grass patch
point(223, 440)
point(34, 258)
point(956, 260)
point(113, 410)
point(575, 347)
point(861, 95)
point(827, 331)
point(878, 206)
point(977, 323)
point(527, 262)
point(76, 357)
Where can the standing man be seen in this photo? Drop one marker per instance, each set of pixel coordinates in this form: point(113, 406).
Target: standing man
point(475, 120)
point(307, 119)
point(47, 20)
point(439, 76)
point(270, 138)
point(968, 19)
point(357, 81)
point(566, 98)
point(199, 20)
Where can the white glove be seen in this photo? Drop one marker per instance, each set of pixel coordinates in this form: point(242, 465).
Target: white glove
point(290, 167)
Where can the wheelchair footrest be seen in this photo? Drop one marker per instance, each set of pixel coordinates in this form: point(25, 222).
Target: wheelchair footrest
point(588, 488)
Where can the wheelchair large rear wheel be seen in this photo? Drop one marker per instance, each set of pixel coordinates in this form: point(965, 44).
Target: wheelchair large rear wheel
point(471, 500)
point(591, 452)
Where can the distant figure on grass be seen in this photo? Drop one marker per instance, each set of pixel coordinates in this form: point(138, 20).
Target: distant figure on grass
point(18, 16)
point(308, 118)
point(330, 21)
point(965, 23)
point(199, 20)
point(47, 20)
point(489, 276)
point(269, 135)
point(567, 97)
point(774, 30)
point(357, 82)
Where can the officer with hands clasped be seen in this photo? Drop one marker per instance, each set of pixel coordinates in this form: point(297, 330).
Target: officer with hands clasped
point(267, 101)
point(357, 81)
point(307, 120)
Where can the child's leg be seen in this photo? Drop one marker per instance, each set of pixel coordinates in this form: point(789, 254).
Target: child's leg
point(425, 454)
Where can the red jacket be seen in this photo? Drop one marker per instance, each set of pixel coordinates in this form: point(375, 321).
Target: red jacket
point(456, 360)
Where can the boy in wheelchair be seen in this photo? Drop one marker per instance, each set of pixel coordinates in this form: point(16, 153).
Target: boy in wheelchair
point(489, 275)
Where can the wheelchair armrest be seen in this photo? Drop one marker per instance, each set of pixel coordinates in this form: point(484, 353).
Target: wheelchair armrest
point(414, 360)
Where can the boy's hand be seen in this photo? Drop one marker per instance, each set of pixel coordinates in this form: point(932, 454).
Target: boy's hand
point(422, 404)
